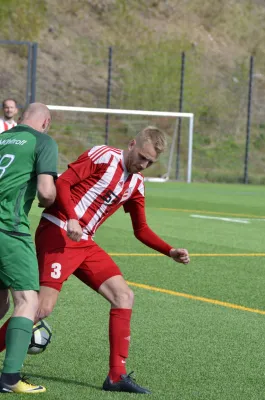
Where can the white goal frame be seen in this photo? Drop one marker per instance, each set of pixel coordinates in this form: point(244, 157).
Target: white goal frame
point(190, 116)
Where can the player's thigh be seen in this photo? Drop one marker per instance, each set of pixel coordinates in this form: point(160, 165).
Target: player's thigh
point(18, 263)
point(97, 267)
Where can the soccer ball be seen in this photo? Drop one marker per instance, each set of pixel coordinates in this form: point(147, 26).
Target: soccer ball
point(41, 337)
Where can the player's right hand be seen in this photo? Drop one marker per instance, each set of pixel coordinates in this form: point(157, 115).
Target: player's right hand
point(74, 230)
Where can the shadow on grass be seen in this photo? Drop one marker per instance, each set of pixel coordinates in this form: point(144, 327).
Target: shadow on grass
point(65, 380)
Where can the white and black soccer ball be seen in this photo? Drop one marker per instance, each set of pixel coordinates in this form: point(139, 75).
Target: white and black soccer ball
point(41, 337)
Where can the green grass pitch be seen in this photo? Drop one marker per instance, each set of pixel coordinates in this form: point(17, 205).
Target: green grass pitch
point(202, 336)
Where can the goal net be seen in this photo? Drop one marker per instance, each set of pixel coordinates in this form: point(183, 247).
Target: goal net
point(78, 128)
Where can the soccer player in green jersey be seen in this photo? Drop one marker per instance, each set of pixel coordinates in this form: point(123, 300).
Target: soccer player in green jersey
point(28, 164)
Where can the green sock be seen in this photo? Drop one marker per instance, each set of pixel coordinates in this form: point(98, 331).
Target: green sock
point(18, 337)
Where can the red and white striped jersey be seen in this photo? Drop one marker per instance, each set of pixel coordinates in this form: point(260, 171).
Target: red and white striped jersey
point(5, 125)
point(101, 185)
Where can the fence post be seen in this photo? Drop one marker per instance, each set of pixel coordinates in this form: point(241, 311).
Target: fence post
point(180, 110)
point(250, 85)
point(29, 66)
point(28, 89)
point(108, 95)
point(33, 72)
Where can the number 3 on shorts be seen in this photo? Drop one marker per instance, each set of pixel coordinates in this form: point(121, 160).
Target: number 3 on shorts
point(56, 273)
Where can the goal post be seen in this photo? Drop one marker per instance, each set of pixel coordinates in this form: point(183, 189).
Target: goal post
point(175, 115)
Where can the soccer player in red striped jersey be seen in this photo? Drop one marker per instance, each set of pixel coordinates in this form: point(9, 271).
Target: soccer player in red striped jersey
point(97, 184)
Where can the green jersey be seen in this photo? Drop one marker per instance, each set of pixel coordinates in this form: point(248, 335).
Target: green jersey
point(24, 154)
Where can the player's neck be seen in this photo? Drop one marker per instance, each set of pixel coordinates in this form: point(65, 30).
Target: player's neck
point(32, 124)
point(125, 158)
point(9, 120)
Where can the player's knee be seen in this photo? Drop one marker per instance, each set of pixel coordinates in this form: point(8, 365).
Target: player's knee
point(47, 300)
point(44, 311)
point(123, 298)
point(25, 303)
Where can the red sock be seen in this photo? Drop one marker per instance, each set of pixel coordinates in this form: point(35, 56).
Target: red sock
point(3, 330)
point(119, 338)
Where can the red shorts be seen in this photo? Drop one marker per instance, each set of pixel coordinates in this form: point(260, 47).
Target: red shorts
point(59, 257)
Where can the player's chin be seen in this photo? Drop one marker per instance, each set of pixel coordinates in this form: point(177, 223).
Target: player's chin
point(133, 170)
point(137, 170)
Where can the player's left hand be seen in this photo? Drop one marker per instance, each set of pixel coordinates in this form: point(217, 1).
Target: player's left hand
point(180, 255)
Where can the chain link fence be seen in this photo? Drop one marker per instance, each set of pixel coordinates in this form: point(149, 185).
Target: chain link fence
point(214, 89)
point(18, 71)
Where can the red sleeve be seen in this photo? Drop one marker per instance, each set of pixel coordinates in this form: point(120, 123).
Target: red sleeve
point(77, 171)
point(63, 197)
point(136, 207)
point(83, 167)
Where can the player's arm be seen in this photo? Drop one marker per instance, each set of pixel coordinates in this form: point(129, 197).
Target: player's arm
point(76, 173)
point(64, 200)
point(136, 208)
point(46, 191)
point(46, 169)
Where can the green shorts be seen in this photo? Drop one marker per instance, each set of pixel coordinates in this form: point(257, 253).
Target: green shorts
point(18, 263)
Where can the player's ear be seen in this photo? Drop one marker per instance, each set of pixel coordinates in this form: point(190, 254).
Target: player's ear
point(132, 143)
point(46, 124)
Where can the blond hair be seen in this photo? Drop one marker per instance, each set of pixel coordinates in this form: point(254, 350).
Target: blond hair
point(154, 135)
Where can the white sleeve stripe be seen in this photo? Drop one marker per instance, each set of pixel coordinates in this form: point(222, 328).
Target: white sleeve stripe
point(95, 151)
point(103, 157)
point(93, 223)
point(102, 151)
point(90, 196)
point(116, 151)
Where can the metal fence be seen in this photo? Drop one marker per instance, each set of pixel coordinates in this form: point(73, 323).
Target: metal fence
point(18, 70)
point(226, 98)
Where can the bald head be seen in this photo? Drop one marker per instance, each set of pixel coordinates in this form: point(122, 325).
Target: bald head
point(37, 116)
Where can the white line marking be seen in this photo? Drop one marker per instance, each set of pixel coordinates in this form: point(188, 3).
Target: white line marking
point(236, 220)
point(256, 219)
